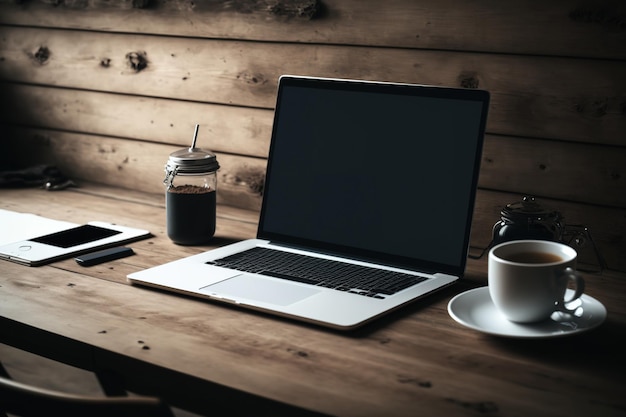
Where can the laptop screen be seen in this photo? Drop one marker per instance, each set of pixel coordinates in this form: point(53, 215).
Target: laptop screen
point(377, 171)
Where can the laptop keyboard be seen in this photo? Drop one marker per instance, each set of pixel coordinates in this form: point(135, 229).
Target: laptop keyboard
point(356, 279)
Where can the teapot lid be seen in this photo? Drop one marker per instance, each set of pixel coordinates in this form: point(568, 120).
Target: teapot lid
point(527, 209)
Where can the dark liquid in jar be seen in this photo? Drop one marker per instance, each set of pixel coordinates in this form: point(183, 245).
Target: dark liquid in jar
point(190, 214)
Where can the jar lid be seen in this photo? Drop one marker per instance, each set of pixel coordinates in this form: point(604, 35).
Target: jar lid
point(528, 208)
point(193, 161)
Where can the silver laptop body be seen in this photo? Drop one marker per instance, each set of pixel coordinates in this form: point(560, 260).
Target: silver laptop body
point(375, 176)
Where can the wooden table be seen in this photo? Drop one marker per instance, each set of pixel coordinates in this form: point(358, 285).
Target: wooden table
point(206, 357)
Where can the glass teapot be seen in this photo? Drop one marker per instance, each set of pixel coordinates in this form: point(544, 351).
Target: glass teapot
point(527, 219)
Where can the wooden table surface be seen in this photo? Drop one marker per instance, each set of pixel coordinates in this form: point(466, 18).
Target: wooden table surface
point(214, 358)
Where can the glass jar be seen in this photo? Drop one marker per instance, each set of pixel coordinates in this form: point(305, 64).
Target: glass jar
point(527, 219)
point(190, 196)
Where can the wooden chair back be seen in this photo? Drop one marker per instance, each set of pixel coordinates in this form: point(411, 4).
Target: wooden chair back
point(24, 400)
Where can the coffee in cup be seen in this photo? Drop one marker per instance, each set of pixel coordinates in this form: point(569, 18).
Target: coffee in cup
point(528, 279)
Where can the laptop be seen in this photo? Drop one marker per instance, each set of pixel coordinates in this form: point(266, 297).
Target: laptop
point(371, 181)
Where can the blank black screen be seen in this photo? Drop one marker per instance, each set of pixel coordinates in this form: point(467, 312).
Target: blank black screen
point(76, 236)
point(390, 172)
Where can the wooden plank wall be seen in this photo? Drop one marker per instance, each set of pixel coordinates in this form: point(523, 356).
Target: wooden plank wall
point(106, 89)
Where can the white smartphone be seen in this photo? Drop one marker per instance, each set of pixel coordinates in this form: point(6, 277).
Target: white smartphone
point(66, 243)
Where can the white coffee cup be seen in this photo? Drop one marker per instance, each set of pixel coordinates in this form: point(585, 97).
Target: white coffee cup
point(528, 279)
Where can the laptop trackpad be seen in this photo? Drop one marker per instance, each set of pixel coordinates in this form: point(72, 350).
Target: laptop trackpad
point(246, 287)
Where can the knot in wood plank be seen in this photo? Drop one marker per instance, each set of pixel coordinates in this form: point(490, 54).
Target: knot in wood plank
point(307, 9)
point(141, 4)
point(484, 407)
point(137, 61)
point(609, 17)
point(41, 55)
point(468, 79)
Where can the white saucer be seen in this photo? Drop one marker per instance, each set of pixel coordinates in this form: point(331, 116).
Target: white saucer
point(474, 309)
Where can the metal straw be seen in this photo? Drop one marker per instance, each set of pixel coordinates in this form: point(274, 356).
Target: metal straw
point(195, 136)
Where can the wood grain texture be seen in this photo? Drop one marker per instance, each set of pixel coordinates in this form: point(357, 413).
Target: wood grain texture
point(561, 28)
point(136, 165)
point(583, 100)
point(567, 171)
point(236, 130)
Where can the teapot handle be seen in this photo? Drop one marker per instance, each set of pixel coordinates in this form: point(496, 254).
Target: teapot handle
point(577, 235)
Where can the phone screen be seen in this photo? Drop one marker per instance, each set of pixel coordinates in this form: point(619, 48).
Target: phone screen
point(76, 236)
